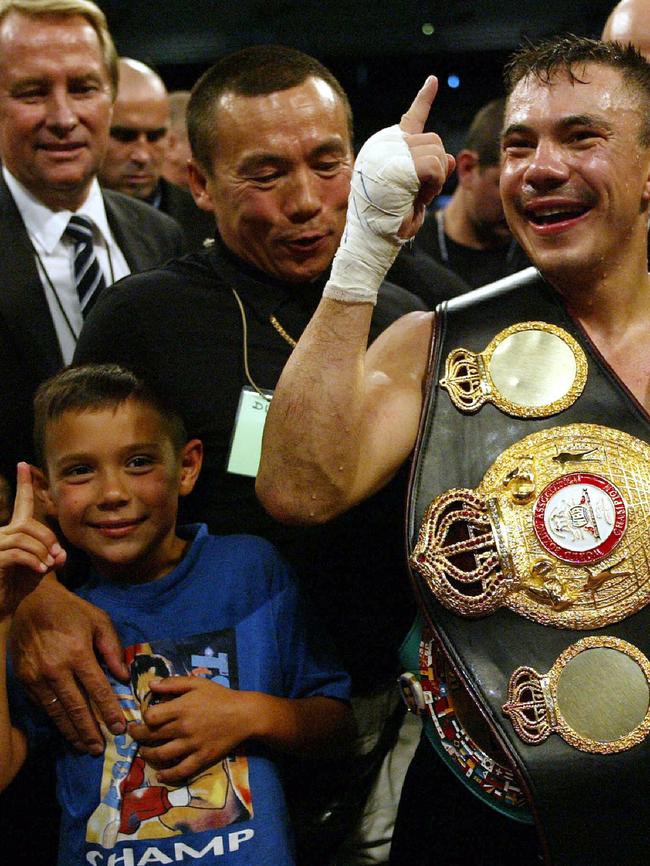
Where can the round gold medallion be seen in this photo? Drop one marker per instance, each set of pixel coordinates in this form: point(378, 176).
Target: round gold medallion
point(529, 370)
point(596, 697)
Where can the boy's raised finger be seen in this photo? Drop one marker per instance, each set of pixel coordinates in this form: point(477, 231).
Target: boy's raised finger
point(414, 120)
point(24, 502)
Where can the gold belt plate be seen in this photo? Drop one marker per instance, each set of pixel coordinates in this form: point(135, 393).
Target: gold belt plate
point(558, 531)
point(529, 370)
point(596, 697)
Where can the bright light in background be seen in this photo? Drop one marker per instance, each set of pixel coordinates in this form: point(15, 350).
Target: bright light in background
point(428, 29)
point(453, 81)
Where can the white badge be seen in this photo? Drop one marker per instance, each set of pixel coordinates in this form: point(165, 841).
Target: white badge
point(246, 444)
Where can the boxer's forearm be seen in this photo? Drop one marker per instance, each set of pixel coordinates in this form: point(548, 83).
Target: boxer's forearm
point(312, 438)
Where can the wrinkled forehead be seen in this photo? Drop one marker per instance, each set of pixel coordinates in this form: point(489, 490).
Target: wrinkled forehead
point(313, 101)
point(28, 34)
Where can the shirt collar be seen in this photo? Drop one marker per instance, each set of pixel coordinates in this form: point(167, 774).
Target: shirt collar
point(265, 294)
point(46, 226)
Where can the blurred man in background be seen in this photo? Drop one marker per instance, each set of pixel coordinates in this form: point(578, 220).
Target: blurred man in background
point(629, 21)
point(137, 146)
point(471, 236)
point(179, 153)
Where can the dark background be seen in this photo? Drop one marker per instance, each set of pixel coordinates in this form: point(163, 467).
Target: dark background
point(378, 50)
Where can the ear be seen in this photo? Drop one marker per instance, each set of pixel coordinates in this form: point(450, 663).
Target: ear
point(466, 166)
point(645, 195)
point(44, 505)
point(191, 460)
point(200, 186)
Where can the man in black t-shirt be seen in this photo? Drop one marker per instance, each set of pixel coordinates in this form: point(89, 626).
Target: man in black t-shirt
point(471, 236)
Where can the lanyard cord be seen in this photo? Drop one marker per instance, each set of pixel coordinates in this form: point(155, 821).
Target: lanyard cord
point(244, 327)
point(48, 280)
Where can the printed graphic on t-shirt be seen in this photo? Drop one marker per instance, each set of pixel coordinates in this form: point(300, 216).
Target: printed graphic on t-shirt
point(133, 803)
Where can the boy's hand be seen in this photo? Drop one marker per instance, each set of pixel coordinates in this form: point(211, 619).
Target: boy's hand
point(28, 548)
point(203, 724)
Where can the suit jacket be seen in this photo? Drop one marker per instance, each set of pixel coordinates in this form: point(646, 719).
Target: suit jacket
point(197, 224)
point(29, 348)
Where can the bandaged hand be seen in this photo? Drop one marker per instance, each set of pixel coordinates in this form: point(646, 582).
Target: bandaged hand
point(397, 173)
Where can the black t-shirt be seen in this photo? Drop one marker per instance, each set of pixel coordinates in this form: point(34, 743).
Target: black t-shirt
point(181, 327)
point(422, 275)
point(475, 267)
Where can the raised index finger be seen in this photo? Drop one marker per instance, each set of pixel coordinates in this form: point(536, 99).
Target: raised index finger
point(415, 118)
point(24, 504)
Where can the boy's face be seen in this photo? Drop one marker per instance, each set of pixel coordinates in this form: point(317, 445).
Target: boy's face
point(114, 483)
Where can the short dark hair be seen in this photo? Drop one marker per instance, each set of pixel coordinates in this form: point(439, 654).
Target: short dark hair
point(89, 387)
point(484, 133)
point(254, 71)
point(569, 54)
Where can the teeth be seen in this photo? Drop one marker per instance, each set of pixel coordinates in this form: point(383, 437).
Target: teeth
point(556, 214)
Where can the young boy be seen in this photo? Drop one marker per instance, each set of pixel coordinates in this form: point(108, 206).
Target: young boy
point(224, 667)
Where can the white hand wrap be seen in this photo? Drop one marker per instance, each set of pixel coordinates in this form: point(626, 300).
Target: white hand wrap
point(384, 186)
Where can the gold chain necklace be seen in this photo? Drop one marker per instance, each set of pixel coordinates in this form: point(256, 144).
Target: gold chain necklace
point(278, 327)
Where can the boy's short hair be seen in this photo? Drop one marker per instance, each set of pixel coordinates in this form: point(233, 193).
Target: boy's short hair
point(89, 387)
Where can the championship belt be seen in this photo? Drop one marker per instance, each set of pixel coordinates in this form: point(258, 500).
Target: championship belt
point(454, 728)
point(535, 576)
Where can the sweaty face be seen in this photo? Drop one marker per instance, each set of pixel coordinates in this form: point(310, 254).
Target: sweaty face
point(574, 181)
point(280, 179)
point(55, 105)
point(114, 484)
point(137, 146)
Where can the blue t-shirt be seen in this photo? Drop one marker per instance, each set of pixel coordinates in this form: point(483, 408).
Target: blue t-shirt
point(229, 612)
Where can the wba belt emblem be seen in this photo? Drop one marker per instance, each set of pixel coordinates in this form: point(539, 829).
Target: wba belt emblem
point(557, 531)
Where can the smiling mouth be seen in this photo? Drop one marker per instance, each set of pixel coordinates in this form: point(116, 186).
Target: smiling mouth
point(116, 528)
point(555, 215)
point(61, 146)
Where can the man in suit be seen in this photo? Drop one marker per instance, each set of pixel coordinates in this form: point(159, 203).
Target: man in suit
point(58, 78)
point(137, 145)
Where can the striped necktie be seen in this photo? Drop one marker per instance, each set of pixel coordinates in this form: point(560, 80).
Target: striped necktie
point(88, 276)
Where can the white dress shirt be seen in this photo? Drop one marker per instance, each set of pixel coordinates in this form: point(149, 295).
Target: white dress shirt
point(54, 255)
